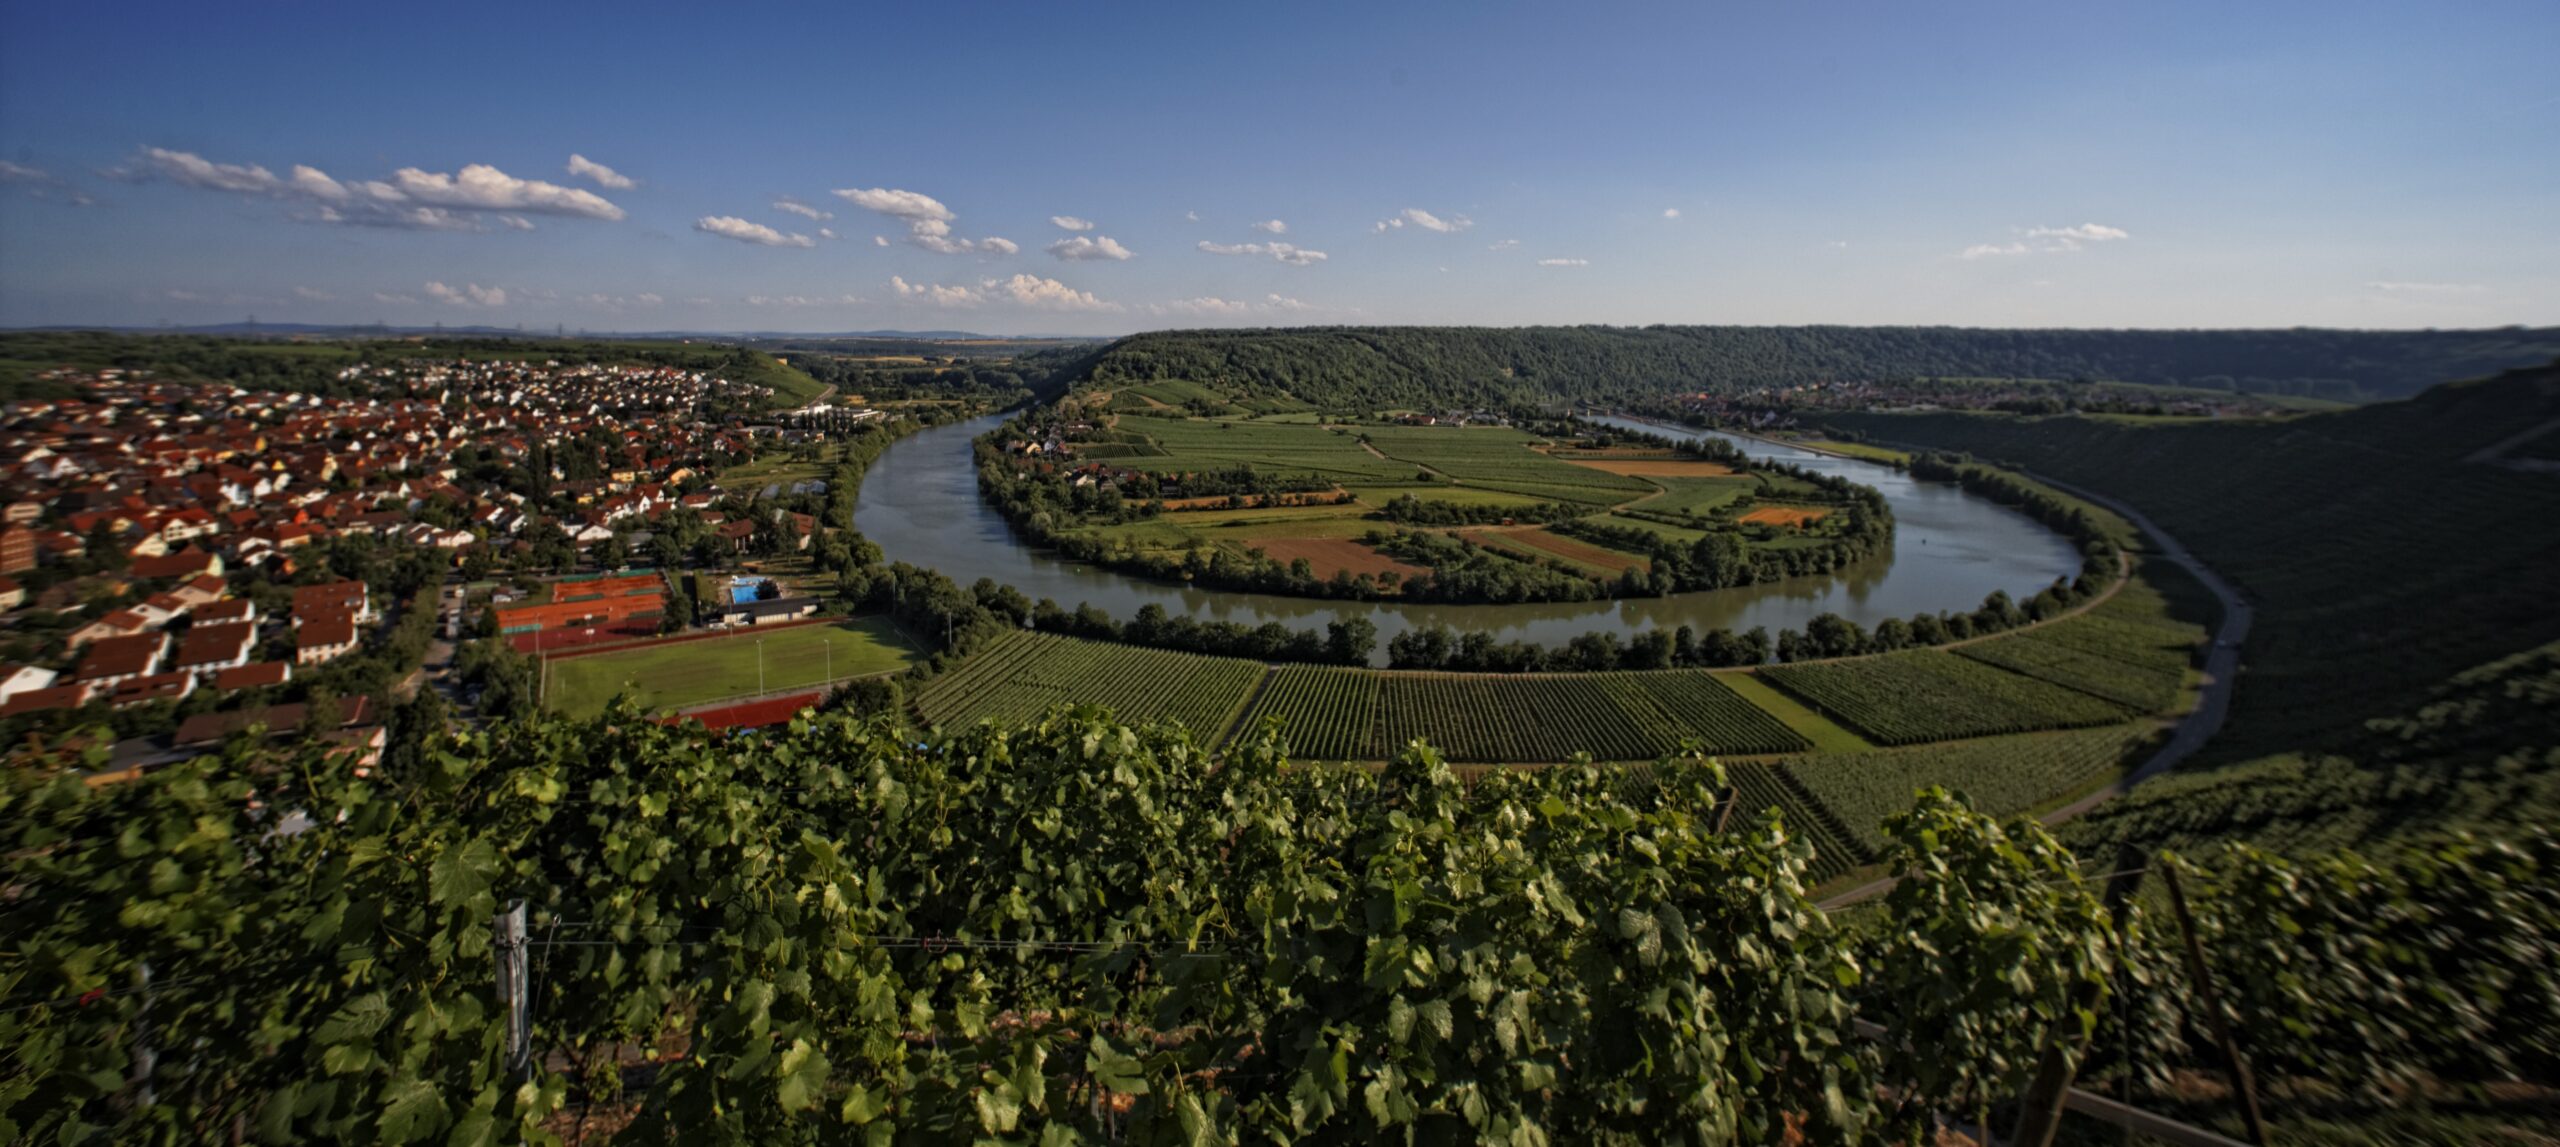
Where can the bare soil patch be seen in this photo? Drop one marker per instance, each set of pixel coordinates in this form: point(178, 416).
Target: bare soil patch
point(1784, 516)
point(1327, 555)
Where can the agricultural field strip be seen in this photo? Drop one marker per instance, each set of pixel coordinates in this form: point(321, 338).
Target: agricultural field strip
point(2144, 688)
point(1930, 695)
point(2002, 775)
point(1351, 714)
point(1025, 674)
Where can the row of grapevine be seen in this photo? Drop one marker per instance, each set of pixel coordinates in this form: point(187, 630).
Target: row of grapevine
point(1759, 787)
point(2141, 688)
point(1355, 714)
point(1932, 695)
point(2000, 775)
point(1024, 674)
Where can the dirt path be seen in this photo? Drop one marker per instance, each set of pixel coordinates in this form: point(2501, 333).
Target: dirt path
point(2198, 726)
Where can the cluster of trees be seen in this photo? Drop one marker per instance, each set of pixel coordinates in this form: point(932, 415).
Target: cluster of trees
point(1433, 368)
point(1439, 647)
point(1457, 571)
point(1410, 510)
point(1344, 642)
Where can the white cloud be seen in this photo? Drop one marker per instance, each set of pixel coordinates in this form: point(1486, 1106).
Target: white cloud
point(1001, 246)
point(312, 295)
point(828, 233)
point(2054, 240)
point(1504, 245)
point(1426, 220)
point(471, 295)
point(879, 240)
point(1071, 223)
point(516, 222)
point(938, 295)
point(2088, 232)
point(2407, 288)
point(41, 184)
point(1190, 216)
point(1272, 227)
point(410, 198)
point(1279, 302)
point(1293, 256)
point(485, 188)
point(393, 297)
point(909, 205)
point(732, 227)
point(794, 206)
point(1047, 294)
point(603, 176)
point(1564, 262)
point(622, 302)
point(795, 301)
point(1670, 212)
point(1081, 249)
point(1208, 305)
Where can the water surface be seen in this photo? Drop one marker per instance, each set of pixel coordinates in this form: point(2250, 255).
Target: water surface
point(920, 503)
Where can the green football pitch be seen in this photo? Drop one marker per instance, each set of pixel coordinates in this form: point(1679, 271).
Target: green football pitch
point(677, 674)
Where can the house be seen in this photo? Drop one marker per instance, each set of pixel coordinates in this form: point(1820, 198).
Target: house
point(258, 675)
point(226, 611)
point(162, 608)
point(210, 649)
point(202, 590)
point(205, 730)
point(41, 700)
point(738, 534)
point(154, 687)
point(337, 597)
point(12, 595)
point(113, 623)
point(320, 641)
point(178, 565)
point(112, 661)
point(17, 679)
point(768, 611)
point(17, 549)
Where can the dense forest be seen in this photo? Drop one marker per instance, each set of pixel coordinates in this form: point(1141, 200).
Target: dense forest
point(1372, 368)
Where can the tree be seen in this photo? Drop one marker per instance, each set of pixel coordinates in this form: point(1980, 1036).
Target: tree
point(1350, 640)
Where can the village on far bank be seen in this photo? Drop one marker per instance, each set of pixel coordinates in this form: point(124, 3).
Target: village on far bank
point(186, 564)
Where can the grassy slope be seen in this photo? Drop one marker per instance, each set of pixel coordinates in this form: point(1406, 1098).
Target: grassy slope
point(2384, 569)
point(687, 673)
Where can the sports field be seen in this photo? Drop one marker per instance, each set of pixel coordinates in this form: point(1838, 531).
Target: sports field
point(671, 675)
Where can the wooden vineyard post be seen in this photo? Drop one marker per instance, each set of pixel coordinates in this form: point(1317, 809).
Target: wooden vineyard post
point(2212, 1001)
point(2040, 1110)
point(511, 952)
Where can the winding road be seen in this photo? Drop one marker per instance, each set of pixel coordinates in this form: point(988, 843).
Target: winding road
point(2199, 725)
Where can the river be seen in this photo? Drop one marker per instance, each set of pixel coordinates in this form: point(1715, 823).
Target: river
point(920, 503)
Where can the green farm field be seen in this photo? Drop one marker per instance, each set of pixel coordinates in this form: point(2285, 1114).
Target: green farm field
point(674, 675)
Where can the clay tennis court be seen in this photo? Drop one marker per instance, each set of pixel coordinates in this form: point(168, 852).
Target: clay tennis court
point(1325, 555)
point(1792, 516)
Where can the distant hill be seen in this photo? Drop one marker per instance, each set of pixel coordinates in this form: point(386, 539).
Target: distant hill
point(2398, 555)
point(1376, 367)
point(384, 330)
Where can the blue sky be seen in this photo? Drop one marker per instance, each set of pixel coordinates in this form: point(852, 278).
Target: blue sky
point(2153, 164)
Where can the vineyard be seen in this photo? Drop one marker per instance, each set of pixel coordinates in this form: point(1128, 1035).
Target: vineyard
point(1074, 932)
point(1759, 787)
point(1022, 675)
point(1931, 695)
point(2130, 649)
point(2000, 775)
point(1355, 714)
point(1500, 459)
